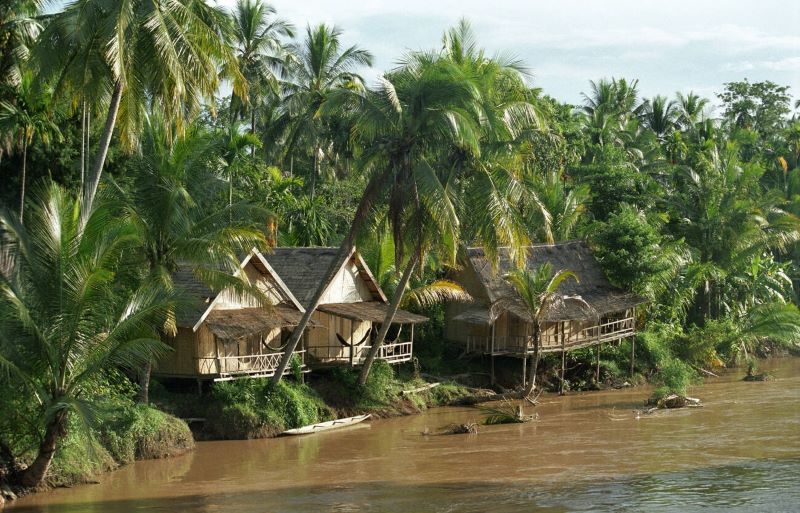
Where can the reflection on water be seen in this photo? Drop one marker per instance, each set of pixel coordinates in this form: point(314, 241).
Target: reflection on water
point(587, 452)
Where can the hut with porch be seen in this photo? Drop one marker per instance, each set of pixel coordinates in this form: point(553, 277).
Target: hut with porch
point(227, 335)
point(352, 308)
point(497, 325)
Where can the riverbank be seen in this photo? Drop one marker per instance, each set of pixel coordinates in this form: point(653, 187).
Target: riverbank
point(588, 451)
point(252, 409)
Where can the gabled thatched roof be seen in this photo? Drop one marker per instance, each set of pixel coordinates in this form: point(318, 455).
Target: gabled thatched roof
point(303, 269)
point(198, 293)
point(235, 324)
point(200, 296)
point(574, 256)
point(374, 311)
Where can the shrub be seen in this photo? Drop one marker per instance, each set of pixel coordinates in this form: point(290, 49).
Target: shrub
point(254, 408)
point(673, 377)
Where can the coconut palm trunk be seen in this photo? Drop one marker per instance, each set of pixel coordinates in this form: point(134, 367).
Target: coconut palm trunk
point(346, 247)
point(34, 475)
point(387, 321)
point(144, 383)
point(534, 364)
point(24, 177)
point(93, 180)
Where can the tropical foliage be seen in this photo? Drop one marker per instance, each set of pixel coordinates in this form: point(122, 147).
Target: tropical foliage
point(162, 134)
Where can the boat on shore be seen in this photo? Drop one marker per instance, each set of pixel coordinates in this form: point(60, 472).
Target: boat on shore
point(326, 426)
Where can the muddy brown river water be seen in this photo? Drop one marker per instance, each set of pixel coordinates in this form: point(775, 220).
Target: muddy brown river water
point(587, 452)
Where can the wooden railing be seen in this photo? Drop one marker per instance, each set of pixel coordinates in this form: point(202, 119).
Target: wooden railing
point(252, 366)
point(395, 352)
point(607, 331)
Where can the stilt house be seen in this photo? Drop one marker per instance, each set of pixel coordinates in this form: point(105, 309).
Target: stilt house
point(497, 325)
point(229, 335)
point(353, 307)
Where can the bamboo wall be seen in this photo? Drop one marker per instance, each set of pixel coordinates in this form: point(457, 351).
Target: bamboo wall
point(322, 343)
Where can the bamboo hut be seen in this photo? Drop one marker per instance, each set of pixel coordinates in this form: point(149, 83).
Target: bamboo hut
point(497, 325)
point(352, 308)
point(227, 335)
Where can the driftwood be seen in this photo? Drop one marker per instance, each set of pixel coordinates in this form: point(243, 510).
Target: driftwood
point(423, 388)
point(673, 401)
point(706, 372)
point(460, 429)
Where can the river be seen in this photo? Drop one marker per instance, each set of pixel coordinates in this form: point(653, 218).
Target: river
point(587, 452)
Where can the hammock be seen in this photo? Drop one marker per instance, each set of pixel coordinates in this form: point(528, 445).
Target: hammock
point(345, 343)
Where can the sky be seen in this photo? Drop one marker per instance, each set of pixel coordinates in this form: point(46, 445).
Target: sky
point(669, 45)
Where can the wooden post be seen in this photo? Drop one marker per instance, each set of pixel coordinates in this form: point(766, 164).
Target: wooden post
point(597, 370)
point(633, 353)
point(199, 386)
point(412, 341)
point(491, 352)
point(351, 347)
point(563, 357)
point(524, 370)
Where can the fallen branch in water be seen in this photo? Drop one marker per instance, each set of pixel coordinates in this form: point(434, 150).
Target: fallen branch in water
point(420, 389)
point(706, 372)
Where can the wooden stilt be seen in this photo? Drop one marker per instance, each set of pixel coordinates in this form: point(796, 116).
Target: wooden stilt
point(524, 370)
point(563, 358)
point(633, 353)
point(491, 351)
point(199, 386)
point(597, 370)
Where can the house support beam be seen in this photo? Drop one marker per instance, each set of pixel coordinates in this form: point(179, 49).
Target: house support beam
point(491, 352)
point(597, 369)
point(563, 357)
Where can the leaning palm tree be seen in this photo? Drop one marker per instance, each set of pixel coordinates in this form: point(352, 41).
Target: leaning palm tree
point(65, 316)
point(320, 66)
point(537, 292)
point(170, 204)
point(144, 52)
point(439, 181)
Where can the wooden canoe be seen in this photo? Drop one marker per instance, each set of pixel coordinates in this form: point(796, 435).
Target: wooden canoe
point(326, 426)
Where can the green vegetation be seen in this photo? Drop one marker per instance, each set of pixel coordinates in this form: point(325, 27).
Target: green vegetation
point(139, 165)
point(252, 408)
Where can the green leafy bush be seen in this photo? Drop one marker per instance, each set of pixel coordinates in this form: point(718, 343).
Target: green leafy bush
point(673, 377)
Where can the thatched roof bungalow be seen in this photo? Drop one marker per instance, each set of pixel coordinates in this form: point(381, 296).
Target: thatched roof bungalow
point(226, 335)
point(497, 324)
point(352, 306)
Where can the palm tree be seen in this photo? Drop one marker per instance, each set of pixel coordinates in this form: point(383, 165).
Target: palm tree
point(29, 116)
point(424, 289)
point(19, 28)
point(260, 51)
point(562, 207)
point(170, 203)
point(234, 153)
point(435, 177)
point(321, 66)
point(167, 54)
point(423, 107)
point(659, 115)
point(64, 315)
point(690, 109)
point(727, 221)
point(538, 292)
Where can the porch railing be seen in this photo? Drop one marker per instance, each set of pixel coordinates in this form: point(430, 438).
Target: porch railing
point(226, 368)
point(395, 352)
point(607, 331)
